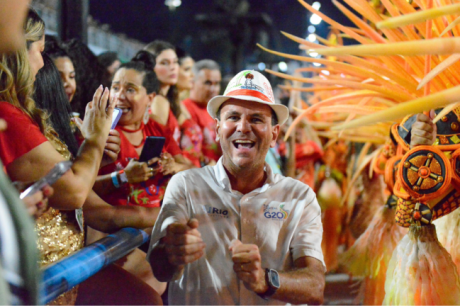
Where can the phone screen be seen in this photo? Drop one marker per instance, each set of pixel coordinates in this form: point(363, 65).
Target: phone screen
point(115, 117)
point(152, 148)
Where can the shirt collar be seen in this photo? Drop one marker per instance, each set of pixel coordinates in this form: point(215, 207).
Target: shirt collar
point(223, 180)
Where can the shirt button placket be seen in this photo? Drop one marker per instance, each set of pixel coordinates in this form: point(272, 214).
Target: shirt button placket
point(244, 217)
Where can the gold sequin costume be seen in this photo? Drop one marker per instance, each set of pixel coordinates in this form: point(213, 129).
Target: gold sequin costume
point(58, 232)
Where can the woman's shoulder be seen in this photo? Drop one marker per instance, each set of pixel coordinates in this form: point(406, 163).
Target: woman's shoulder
point(160, 99)
point(15, 116)
point(160, 102)
point(160, 109)
point(7, 108)
point(19, 127)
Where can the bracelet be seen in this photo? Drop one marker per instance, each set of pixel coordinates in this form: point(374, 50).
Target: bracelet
point(115, 179)
point(123, 177)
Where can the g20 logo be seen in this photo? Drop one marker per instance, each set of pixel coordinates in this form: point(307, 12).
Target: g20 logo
point(275, 215)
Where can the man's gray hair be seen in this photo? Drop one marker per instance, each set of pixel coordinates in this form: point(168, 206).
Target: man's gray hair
point(205, 64)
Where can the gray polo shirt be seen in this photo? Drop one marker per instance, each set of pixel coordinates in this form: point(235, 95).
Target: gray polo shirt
point(282, 218)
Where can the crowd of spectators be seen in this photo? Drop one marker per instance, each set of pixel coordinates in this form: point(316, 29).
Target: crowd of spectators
point(57, 101)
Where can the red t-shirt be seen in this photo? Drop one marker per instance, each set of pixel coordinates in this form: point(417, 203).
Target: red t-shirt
point(21, 136)
point(188, 136)
point(191, 141)
point(148, 193)
point(199, 114)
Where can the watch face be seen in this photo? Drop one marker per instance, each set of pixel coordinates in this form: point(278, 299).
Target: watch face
point(274, 278)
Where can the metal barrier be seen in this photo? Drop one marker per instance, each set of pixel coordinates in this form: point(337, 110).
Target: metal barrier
point(71, 271)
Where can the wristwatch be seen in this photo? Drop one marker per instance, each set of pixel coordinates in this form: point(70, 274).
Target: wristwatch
point(273, 282)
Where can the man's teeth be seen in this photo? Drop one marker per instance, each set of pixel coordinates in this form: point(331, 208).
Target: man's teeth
point(244, 143)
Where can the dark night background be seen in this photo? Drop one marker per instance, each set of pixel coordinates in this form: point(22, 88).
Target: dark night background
point(220, 32)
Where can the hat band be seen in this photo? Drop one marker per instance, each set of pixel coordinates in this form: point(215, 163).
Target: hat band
point(248, 92)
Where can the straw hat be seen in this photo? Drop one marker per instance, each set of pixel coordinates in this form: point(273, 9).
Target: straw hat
point(249, 86)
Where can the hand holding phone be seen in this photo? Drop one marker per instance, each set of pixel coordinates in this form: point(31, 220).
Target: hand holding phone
point(137, 172)
point(153, 147)
point(49, 179)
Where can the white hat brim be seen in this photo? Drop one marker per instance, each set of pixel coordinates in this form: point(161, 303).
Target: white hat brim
point(281, 111)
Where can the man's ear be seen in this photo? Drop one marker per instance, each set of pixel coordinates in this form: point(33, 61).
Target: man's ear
point(275, 134)
point(217, 129)
point(151, 97)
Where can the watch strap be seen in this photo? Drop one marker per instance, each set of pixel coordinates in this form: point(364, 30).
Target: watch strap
point(269, 273)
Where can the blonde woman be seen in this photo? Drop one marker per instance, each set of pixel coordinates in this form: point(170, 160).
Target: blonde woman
point(30, 148)
point(18, 251)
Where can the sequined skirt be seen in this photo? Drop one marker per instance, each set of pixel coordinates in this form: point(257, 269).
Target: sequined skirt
point(59, 235)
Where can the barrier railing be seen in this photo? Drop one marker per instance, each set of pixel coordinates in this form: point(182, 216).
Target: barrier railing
point(71, 271)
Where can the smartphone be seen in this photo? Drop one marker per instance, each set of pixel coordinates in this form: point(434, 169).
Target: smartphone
point(48, 179)
point(115, 117)
point(152, 148)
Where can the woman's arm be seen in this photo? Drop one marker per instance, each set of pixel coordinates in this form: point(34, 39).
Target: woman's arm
point(72, 189)
point(107, 218)
point(104, 184)
point(135, 171)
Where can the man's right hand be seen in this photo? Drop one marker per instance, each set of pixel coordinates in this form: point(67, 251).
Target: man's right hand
point(423, 130)
point(183, 243)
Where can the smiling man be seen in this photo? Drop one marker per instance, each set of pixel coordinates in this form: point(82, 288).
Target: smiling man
point(235, 233)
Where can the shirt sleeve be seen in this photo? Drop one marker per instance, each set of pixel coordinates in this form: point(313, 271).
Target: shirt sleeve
point(21, 136)
point(173, 209)
point(309, 233)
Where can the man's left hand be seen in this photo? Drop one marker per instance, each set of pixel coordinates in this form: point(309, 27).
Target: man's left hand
point(247, 265)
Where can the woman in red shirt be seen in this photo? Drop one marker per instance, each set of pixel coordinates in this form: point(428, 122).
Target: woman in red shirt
point(191, 135)
point(166, 108)
point(129, 182)
point(30, 148)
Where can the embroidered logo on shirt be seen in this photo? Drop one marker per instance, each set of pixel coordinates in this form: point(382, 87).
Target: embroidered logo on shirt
point(213, 211)
point(276, 213)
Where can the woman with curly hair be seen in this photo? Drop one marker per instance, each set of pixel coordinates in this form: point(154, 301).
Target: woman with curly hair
point(64, 64)
point(89, 73)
